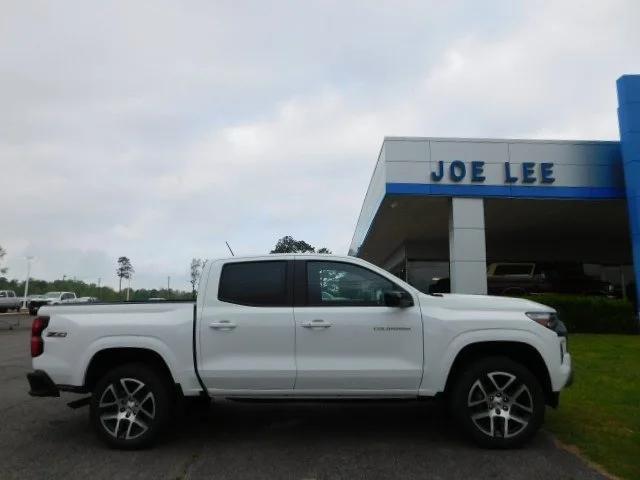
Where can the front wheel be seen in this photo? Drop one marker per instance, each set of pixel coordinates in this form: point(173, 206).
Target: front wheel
point(130, 406)
point(498, 402)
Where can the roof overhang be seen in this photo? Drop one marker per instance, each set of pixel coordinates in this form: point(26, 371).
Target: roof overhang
point(434, 169)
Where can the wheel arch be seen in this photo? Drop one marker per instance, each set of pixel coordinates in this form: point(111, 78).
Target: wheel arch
point(108, 358)
point(521, 352)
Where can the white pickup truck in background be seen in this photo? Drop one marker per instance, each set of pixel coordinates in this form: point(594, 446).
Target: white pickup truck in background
point(50, 298)
point(305, 326)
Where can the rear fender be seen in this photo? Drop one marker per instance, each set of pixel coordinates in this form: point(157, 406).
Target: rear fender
point(125, 341)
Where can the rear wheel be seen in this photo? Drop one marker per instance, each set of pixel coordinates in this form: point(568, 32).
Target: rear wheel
point(499, 403)
point(130, 406)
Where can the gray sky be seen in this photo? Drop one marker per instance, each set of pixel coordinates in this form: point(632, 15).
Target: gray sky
point(158, 130)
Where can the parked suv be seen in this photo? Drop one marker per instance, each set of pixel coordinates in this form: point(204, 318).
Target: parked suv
point(522, 278)
point(9, 301)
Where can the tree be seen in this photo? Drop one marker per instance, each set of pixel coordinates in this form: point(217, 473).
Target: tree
point(3, 252)
point(124, 270)
point(288, 244)
point(197, 264)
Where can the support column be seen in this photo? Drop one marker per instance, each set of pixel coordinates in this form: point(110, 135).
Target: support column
point(629, 120)
point(467, 251)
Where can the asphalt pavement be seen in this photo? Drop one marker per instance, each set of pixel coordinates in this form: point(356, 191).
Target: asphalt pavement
point(43, 438)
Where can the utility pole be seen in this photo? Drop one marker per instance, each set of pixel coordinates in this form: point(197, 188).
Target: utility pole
point(169, 284)
point(128, 288)
point(26, 283)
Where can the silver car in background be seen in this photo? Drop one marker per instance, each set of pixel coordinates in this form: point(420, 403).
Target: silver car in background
point(9, 301)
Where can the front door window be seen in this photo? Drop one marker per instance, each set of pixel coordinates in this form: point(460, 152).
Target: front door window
point(342, 284)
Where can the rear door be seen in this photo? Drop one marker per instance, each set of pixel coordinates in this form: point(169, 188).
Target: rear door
point(347, 340)
point(247, 333)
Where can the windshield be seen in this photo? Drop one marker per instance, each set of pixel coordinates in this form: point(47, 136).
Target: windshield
point(52, 294)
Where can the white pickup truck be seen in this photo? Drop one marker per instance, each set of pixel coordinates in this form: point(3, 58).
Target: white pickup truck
point(51, 298)
point(304, 326)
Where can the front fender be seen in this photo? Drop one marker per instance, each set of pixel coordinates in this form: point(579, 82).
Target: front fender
point(438, 361)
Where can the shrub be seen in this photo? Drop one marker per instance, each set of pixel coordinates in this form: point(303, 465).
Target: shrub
point(591, 314)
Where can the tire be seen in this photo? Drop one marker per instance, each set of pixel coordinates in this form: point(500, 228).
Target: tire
point(130, 406)
point(480, 409)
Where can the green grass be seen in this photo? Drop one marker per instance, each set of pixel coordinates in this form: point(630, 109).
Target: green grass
point(600, 412)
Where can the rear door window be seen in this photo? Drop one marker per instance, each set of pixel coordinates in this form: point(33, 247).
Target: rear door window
point(257, 284)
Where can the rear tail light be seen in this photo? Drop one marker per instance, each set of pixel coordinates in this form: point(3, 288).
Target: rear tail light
point(37, 344)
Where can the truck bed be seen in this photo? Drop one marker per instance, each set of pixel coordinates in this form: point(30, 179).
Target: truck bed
point(164, 327)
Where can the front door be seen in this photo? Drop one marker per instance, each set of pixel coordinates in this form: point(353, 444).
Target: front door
point(347, 340)
point(247, 334)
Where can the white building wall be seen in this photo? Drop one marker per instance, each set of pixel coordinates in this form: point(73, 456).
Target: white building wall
point(576, 163)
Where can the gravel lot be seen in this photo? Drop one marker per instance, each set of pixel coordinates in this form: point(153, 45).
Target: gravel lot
point(43, 438)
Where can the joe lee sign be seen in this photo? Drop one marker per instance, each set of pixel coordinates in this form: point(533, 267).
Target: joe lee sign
point(527, 173)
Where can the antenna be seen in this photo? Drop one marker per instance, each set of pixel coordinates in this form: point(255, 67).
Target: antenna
point(232, 254)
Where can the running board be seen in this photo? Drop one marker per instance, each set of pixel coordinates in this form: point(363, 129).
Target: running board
point(79, 403)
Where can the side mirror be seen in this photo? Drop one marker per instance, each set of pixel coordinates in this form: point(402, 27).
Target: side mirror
point(398, 298)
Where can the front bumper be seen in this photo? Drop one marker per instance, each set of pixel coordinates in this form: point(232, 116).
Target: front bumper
point(569, 380)
point(565, 371)
point(42, 385)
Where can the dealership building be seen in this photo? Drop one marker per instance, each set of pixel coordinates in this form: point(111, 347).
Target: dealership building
point(449, 207)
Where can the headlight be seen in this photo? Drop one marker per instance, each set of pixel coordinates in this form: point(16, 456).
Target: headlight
point(546, 319)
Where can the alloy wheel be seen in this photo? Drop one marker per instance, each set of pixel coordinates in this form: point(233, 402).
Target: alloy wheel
point(500, 404)
point(127, 408)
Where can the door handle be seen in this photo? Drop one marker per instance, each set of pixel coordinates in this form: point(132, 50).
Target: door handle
point(318, 323)
point(222, 324)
